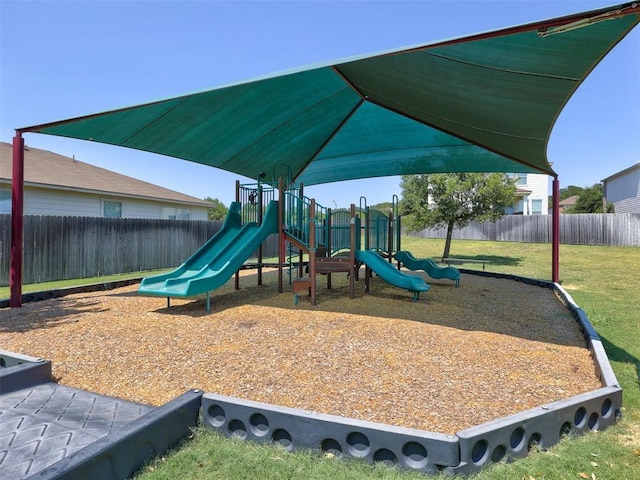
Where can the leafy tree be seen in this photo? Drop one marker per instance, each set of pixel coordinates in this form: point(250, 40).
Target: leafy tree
point(567, 192)
point(591, 201)
point(218, 211)
point(570, 191)
point(454, 200)
point(385, 207)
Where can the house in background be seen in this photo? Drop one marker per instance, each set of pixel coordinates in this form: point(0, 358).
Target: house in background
point(532, 192)
point(623, 190)
point(568, 202)
point(63, 186)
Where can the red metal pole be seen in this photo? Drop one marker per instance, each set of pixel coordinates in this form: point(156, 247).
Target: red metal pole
point(555, 232)
point(281, 246)
point(312, 251)
point(17, 222)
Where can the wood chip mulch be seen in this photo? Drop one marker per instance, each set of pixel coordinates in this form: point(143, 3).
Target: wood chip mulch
point(456, 358)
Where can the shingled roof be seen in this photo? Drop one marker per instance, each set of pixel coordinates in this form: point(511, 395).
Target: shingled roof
point(43, 168)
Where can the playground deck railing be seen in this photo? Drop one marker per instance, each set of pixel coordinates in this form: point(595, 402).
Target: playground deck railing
point(299, 212)
point(254, 199)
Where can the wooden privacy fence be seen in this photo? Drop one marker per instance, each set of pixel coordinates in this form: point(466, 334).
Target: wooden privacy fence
point(59, 248)
point(622, 229)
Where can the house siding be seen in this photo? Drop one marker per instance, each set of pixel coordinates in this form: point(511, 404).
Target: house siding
point(39, 201)
point(43, 201)
point(628, 205)
point(539, 186)
point(624, 191)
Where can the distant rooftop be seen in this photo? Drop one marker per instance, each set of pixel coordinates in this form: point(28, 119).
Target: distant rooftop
point(569, 201)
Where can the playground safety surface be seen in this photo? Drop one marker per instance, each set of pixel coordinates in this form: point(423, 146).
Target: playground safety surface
point(456, 358)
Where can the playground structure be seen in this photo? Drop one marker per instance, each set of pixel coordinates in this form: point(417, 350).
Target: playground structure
point(332, 240)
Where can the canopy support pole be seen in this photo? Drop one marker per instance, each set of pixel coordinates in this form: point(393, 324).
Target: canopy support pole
point(17, 222)
point(555, 232)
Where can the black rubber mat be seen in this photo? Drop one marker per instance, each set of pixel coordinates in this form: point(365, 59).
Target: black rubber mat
point(41, 425)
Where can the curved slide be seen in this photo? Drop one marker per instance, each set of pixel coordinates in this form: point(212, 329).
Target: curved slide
point(213, 264)
point(391, 274)
point(429, 267)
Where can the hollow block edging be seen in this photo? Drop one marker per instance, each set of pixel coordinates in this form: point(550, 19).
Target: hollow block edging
point(513, 436)
point(299, 429)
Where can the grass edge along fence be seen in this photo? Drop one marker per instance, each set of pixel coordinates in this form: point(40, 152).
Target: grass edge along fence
point(615, 229)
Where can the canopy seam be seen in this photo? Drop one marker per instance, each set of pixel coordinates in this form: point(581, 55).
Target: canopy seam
point(497, 69)
point(280, 125)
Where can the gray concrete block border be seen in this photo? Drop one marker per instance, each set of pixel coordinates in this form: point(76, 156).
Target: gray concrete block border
point(464, 453)
point(300, 429)
point(514, 436)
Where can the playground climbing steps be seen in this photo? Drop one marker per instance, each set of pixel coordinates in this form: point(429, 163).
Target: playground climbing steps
point(310, 228)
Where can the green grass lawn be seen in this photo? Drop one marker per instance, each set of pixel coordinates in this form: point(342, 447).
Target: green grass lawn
point(604, 281)
point(60, 284)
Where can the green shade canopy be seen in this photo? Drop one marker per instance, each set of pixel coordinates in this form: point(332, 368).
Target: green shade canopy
point(483, 103)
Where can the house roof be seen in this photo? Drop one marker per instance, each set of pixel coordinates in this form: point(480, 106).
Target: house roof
point(569, 201)
point(47, 169)
point(621, 172)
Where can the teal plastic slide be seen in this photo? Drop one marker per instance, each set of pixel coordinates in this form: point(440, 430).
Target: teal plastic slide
point(213, 264)
point(391, 274)
point(428, 266)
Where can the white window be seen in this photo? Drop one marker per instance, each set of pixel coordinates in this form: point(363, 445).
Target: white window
point(174, 213)
point(536, 207)
point(111, 209)
point(522, 178)
point(5, 200)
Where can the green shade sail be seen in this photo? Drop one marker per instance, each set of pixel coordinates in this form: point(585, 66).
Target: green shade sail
point(484, 103)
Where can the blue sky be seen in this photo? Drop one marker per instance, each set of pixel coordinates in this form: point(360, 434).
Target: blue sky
point(61, 59)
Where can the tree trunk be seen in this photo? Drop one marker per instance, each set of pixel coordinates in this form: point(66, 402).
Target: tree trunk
point(447, 243)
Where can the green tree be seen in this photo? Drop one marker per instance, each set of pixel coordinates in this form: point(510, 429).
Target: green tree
point(384, 207)
point(567, 192)
point(570, 191)
point(591, 200)
point(454, 200)
point(218, 211)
